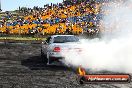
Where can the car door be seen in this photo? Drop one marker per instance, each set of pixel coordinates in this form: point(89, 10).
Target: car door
point(46, 45)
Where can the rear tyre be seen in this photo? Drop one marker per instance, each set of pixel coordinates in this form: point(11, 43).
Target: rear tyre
point(50, 60)
point(43, 57)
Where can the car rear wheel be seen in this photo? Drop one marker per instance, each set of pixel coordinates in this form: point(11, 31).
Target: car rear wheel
point(54, 60)
point(43, 57)
point(50, 60)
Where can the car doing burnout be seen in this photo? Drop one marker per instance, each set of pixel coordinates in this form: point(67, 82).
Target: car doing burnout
point(53, 47)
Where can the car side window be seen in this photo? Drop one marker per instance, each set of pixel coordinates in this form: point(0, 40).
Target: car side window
point(48, 40)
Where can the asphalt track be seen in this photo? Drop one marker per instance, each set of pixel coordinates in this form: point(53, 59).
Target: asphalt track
point(21, 67)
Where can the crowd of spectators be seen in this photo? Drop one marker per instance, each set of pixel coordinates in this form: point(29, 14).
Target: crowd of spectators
point(59, 18)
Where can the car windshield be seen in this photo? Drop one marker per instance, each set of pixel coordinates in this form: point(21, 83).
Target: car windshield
point(64, 39)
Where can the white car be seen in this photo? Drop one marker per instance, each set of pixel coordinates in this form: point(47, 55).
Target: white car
point(53, 47)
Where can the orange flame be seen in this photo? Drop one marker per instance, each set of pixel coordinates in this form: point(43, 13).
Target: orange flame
point(81, 71)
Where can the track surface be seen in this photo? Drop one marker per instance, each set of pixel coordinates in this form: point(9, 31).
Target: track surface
point(21, 67)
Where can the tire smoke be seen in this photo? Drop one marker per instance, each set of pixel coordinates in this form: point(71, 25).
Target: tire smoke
point(113, 52)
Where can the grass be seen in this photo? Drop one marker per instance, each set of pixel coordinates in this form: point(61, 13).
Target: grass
point(21, 38)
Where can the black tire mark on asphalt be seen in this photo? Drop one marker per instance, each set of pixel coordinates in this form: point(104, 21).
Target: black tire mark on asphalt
point(21, 67)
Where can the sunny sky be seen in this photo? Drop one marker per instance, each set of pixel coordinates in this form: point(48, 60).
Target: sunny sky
point(8, 5)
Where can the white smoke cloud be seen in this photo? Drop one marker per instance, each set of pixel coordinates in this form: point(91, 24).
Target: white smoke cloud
point(113, 52)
